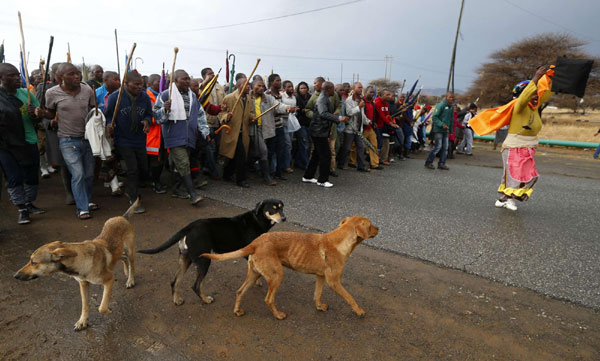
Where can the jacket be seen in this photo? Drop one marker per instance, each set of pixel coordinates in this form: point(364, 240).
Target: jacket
point(153, 136)
point(323, 117)
point(182, 132)
point(268, 120)
point(126, 133)
point(239, 124)
point(12, 130)
point(443, 115)
point(382, 113)
point(96, 136)
point(216, 97)
point(357, 116)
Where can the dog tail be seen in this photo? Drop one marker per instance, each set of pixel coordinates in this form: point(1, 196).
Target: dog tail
point(130, 210)
point(171, 241)
point(246, 251)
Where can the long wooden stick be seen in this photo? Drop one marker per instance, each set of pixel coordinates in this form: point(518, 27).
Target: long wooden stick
point(268, 110)
point(244, 87)
point(176, 50)
point(118, 59)
point(114, 119)
point(24, 62)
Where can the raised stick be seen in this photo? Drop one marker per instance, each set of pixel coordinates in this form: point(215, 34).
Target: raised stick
point(244, 87)
point(23, 59)
point(114, 119)
point(46, 73)
point(176, 50)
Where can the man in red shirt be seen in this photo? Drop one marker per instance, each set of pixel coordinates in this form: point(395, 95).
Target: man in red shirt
point(384, 124)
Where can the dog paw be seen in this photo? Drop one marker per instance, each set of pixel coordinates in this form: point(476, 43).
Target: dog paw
point(130, 284)
point(80, 325)
point(208, 299)
point(178, 301)
point(106, 311)
point(322, 307)
point(258, 282)
point(239, 312)
point(279, 315)
point(360, 312)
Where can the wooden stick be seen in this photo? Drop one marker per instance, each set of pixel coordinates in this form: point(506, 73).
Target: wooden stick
point(118, 59)
point(244, 87)
point(114, 119)
point(23, 59)
point(268, 110)
point(95, 102)
point(176, 50)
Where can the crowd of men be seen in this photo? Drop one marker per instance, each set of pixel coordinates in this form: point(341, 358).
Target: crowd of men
point(175, 143)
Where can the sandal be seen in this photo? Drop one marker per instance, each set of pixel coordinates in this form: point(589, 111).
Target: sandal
point(83, 215)
point(93, 207)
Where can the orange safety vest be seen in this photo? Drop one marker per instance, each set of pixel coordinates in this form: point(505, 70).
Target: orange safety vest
point(153, 136)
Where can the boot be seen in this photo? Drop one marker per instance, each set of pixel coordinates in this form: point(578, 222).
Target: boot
point(189, 185)
point(264, 169)
point(176, 183)
point(406, 153)
point(23, 216)
point(66, 178)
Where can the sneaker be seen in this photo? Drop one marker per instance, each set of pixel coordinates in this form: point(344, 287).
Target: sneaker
point(198, 183)
point(45, 173)
point(429, 165)
point(52, 170)
point(510, 204)
point(270, 183)
point(443, 167)
point(34, 210)
point(23, 216)
point(139, 209)
point(311, 180)
point(499, 204)
point(333, 174)
point(195, 199)
point(178, 193)
point(469, 154)
point(325, 185)
point(159, 188)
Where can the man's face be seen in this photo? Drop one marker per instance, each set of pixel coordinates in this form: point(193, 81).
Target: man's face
point(155, 85)
point(258, 88)
point(450, 98)
point(276, 84)
point(347, 89)
point(183, 81)
point(97, 73)
point(209, 75)
point(534, 99)
point(370, 93)
point(11, 80)
point(195, 86)
point(358, 89)
point(318, 84)
point(134, 86)
point(339, 90)
point(113, 83)
point(330, 91)
point(402, 98)
point(289, 88)
point(303, 89)
point(72, 77)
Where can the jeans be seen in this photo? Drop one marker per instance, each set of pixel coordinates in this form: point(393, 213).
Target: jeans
point(350, 138)
point(303, 150)
point(137, 167)
point(441, 143)
point(597, 152)
point(407, 129)
point(210, 155)
point(278, 151)
point(467, 143)
point(79, 159)
point(22, 182)
point(321, 157)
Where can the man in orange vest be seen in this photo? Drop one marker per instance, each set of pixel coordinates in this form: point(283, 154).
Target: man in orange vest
point(154, 145)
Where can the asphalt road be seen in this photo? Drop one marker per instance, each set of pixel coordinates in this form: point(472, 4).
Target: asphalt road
point(550, 245)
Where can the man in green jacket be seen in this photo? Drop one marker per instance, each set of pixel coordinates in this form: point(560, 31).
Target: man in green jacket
point(443, 119)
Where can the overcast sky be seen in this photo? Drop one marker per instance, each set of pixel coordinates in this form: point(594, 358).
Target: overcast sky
point(418, 34)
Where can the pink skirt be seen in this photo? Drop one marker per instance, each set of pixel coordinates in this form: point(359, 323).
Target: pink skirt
point(520, 173)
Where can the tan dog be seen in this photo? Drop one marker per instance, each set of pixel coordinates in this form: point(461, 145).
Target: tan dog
point(323, 255)
point(88, 261)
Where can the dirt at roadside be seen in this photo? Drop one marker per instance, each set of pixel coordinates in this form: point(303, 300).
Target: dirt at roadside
point(415, 310)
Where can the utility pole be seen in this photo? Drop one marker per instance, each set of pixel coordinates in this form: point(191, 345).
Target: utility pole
point(452, 61)
point(342, 73)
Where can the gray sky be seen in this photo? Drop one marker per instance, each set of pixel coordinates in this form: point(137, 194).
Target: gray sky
point(418, 34)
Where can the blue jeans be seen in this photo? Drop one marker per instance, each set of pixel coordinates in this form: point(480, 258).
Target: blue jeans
point(80, 162)
point(210, 155)
point(286, 156)
point(407, 129)
point(597, 152)
point(303, 147)
point(277, 151)
point(441, 143)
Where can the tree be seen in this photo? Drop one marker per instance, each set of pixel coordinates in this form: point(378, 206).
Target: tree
point(382, 84)
point(520, 60)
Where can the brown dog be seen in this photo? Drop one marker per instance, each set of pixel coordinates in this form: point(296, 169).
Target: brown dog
point(88, 261)
point(323, 255)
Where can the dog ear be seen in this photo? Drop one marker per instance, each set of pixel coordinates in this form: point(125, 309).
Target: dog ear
point(362, 229)
point(344, 221)
point(61, 253)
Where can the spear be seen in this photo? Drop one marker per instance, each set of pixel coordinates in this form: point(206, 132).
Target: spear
point(267, 111)
point(245, 86)
point(46, 73)
point(24, 62)
point(114, 119)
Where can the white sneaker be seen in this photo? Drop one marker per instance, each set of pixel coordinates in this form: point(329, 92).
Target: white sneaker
point(45, 173)
point(510, 204)
point(52, 170)
point(325, 185)
point(499, 204)
point(311, 180)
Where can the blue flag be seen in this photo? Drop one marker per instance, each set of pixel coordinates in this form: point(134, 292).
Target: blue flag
point(22, 70)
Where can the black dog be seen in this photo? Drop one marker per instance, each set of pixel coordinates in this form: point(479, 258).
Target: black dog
point(219, 235)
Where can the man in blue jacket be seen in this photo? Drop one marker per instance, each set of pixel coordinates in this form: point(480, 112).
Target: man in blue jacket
point(181, 117)
point(130, 128)
point(443, 121)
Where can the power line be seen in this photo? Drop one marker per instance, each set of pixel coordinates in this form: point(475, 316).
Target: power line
point(248, 22)
point(549, 21)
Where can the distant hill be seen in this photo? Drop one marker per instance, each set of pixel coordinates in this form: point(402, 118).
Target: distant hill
point(438, 91)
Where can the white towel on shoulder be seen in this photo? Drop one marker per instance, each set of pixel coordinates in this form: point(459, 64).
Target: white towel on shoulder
point(177, 107)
